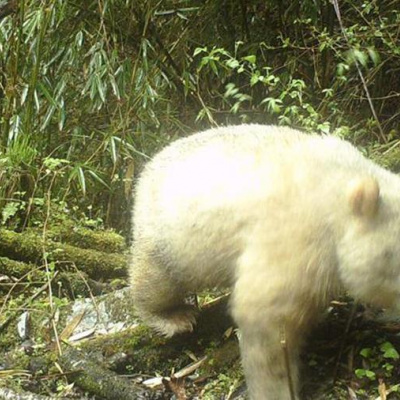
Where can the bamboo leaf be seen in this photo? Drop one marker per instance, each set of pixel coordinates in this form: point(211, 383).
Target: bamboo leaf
point(113, 150)
point(98, 179)
point(82, 180)
point(47, 94)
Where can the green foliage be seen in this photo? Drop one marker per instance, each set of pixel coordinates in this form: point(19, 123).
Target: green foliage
point(9, 210)
point(223, 384)
point(88, 90)
point(381, 360)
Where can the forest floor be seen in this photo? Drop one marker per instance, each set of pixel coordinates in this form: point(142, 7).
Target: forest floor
point(68, 330)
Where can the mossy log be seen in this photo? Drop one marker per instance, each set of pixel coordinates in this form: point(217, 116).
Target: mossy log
point(146, 351)
point(94, 365)
point(29, 247)
point(106, 241)
point(96, 378)
point(14, 268)
point(74, 284)
point(92, 377)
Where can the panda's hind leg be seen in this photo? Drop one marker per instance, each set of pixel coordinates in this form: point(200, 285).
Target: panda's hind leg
point(158, 299)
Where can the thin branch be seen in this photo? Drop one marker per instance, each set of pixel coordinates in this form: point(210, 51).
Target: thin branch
point(46, 264)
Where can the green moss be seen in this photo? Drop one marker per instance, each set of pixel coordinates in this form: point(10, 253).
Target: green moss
point(224, 384)
point(106, 241)
point(28, 247)
point(18, 360)
point(15, 268)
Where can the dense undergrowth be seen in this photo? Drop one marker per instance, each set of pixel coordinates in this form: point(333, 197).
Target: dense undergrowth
point(89, 90)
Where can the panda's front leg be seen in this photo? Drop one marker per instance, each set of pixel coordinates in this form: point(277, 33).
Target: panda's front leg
point(270, 364)
point(273, 315)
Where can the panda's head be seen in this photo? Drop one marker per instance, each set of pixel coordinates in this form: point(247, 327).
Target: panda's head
point(369, 251)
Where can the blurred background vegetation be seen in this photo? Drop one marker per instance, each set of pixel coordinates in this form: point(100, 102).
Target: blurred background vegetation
point(90, 89)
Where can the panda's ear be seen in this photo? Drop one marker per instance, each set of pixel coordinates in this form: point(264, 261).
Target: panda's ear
point(364, 197)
